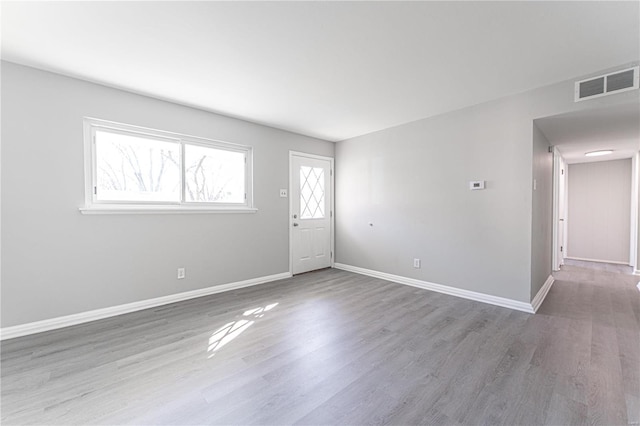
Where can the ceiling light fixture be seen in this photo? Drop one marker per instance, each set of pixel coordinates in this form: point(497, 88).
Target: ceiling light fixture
point(598, 153)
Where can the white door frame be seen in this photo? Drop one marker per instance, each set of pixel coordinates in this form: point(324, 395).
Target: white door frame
point(635, 196)
point(332, 216)
point(634, 242)
point(557, 169)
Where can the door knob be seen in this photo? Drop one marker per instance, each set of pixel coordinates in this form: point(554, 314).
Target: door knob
point(295, 216)
point(295, 224)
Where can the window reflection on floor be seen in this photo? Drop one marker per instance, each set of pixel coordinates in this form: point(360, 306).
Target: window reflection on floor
point(233, 329)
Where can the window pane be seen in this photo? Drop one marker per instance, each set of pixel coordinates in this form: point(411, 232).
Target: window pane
point(135, 168)
point(311, 192)
point(213, 175)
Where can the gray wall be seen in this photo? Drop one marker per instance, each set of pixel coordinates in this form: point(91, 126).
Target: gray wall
point(411, 181)
point(599, 209)
point(57, 261)
point(542, 212)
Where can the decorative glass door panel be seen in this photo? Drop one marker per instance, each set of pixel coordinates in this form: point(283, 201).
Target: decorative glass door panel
point(312, 193)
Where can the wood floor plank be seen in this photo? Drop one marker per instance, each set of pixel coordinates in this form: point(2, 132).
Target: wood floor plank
point(333, 347)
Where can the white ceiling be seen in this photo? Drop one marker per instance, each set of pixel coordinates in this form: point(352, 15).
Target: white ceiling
point(616, 128)
point(333, 70)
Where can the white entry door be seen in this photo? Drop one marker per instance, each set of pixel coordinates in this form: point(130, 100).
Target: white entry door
point(310, 214)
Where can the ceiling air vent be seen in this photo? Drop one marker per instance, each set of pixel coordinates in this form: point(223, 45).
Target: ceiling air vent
point(608, 84)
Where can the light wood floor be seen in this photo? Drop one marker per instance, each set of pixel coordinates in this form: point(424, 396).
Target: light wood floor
point(332, 347)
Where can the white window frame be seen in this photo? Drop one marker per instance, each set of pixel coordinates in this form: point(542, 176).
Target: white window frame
point(95, 206)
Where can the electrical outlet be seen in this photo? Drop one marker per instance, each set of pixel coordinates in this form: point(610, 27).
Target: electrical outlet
point(283, 193)
point(416, 263)
point(182, 273)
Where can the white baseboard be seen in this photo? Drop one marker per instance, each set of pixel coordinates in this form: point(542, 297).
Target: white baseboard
point(612, 262)
point(82, 317)
point(636, 272)
point(542, 293)
point(465, 294)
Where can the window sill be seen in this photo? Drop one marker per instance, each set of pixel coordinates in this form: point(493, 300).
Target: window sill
point(123, 209)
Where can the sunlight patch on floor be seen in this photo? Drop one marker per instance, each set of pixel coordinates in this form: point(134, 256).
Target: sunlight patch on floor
point(233, 329)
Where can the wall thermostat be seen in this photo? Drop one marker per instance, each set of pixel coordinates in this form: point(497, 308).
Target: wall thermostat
point(476, 184)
